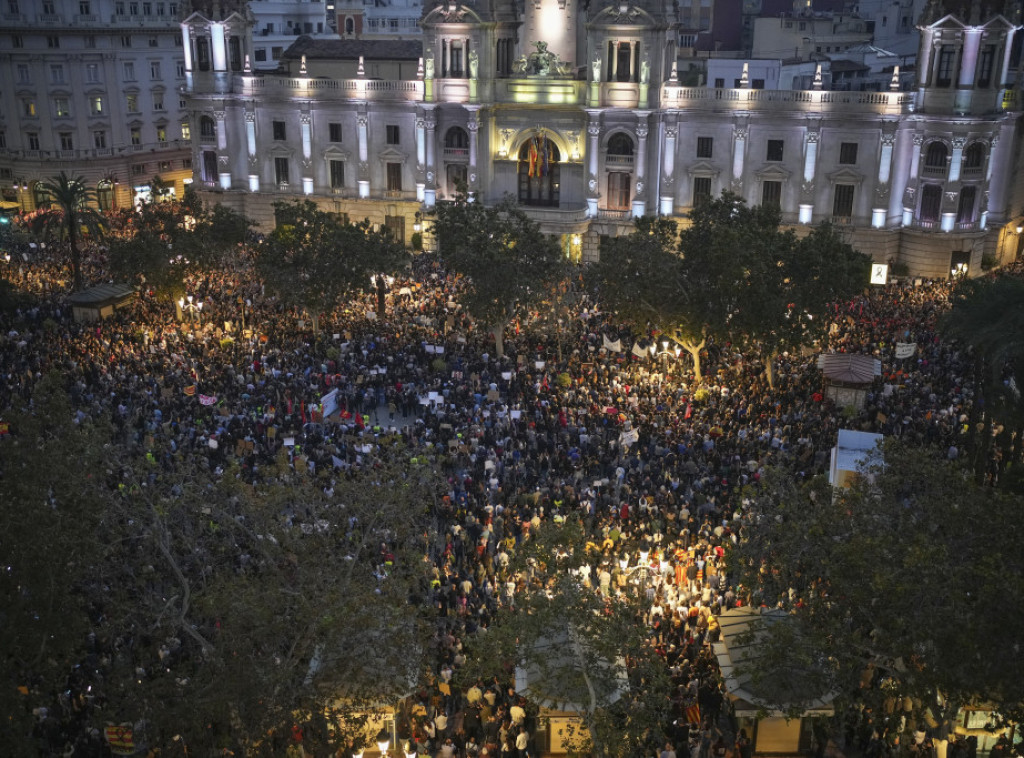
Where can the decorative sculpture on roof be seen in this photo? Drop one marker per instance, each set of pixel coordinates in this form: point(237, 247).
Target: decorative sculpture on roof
point(542, 62)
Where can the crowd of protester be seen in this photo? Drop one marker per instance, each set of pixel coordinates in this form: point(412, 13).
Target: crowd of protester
point(559, 426)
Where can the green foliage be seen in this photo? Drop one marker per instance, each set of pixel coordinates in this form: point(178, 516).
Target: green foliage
point(508, 261)
point(165, 242)
point(575, 646)
point(564, 380)
point(416, 241)
point(67, 214)
point(313, 261)
point(899, 576)
point(988, 316)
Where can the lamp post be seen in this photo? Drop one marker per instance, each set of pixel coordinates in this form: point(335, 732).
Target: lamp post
point(194, 308)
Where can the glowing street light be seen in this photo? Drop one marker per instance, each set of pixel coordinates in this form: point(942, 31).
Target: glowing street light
point(194, 308)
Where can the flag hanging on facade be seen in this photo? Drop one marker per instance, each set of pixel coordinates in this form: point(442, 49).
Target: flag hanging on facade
point(539, 155)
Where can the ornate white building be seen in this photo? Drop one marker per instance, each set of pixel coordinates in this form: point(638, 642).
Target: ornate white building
point(576, 110)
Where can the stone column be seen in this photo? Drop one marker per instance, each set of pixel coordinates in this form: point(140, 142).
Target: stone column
point(362, 124)
point(473, 125)
point(640, 201)
point(430, 190)
point(668, 165)
point(593, 187)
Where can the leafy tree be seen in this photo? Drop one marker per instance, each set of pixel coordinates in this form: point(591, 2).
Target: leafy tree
point(67, 213)
point(791, 285)
point(508, 262)
point(577, 649)
point(894, 586)
point(988, 316)
point(167, 241)
point(195, 605)
point(313, 261)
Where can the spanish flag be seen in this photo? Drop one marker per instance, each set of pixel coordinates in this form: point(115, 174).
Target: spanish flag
point(190, 390)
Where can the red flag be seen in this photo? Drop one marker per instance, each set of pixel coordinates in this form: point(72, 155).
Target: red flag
point(693, 714)
point(689, 411)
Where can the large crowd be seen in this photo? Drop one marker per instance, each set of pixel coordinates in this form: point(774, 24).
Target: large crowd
point(558, 426)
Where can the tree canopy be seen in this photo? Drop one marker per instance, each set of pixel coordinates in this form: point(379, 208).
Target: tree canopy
point(312, 260)
point(68, 213)
point(988, 317)
point(190, 603)
point(894, 584)
point(576, 648)
point(507, 261)
point(167, 241)
point(732, 274)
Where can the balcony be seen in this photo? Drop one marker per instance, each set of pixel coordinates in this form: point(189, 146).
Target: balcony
point(624, 162)
point(934, 172)
point(49, 19)
point(785, 100)
point(455, 154)
point(399, 194)
point(621, 216)
point(975, 172)
point(302, 87)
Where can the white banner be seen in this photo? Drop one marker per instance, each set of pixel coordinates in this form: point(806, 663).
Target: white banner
point(330, 403)
point(638, 351)
point(905, 349)
point(629, 438)
point(612, 347)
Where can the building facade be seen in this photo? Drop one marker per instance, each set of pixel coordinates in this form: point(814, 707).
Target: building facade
point(91, 87)
point(577, 110)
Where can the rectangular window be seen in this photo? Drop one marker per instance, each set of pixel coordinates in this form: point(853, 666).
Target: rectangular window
point(90, 41)
point(158, 101)
point(337, 170)
point(92, 73)
point(719, 83)
point(128, 69)
point(161, 134)
point(99, 139)
point(210, 166)
point(164, 166)
point(61, 108)
point(28, 108)
point(275, 53)
point(147, 9)
point(280, 131)
point(186, 131)
point(334, 132)
point(84, 9)
point(771, 194)
point(136, 135)
point(56, 74)
point(774, 151)
point(119, 8)
point(132, 103)
point(138, 169)
point(848, 153)
point(757, 84)
point(33, 140)
point(395, 226)
point(281, 170)
point(53, 42)
point(261, 55)
point(13, 8)
point(988, 56)
point(394, 175)
point(186, 163)
point(154, 42)
point(931, 202)
point(3, 146)
point(705, 147)
point(96, 105)
point(701, 190)
point(67, 141)
point(160, 10)
point(179, 69)
point(944, 67)
point(393, 135)
point(126, 40)
point(965, 208)
point(154, 69)
point(17, 41)
point(24, 75)
point(133, 8)
point(842, 202)
point(618, 191)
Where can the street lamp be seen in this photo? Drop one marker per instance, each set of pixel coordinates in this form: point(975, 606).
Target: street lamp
point(194, 308)
point(383, 745)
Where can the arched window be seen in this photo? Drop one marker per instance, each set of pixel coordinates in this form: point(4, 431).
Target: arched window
point(620, 144)
point(456, 138)
point(105, 194)
point(539, 172)
point(935, 155)
point(350, 26)
point(974, 156)
point(207, 127)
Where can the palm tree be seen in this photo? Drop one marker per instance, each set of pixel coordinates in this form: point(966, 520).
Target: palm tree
point(69, 209)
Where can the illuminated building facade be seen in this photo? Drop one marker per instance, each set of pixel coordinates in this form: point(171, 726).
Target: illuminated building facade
point(578, 112)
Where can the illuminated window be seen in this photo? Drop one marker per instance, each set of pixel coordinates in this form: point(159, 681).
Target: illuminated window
point(539, 172)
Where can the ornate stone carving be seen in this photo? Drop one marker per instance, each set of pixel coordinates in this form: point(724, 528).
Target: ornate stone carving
point(473, 125)
point(594, 129)
point(959, 142)
point(671, 130)
point(812, 138)
point(806, 190)
point(219, 115)
point(250, 116)
point(305, 118)
point(421, 123)
point(739, 133)
point(641, 131)
point(592, 185)
point(918, 139)
point(888, 139)
point(950, 196)
point(362, 120)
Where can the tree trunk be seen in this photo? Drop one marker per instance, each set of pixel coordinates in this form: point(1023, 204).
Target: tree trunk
point(76, 262)
point(498, 331)
point(769, 370)
point(694, 352)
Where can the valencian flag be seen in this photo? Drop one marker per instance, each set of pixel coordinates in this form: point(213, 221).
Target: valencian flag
point(540, 155)
point(693, 713)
